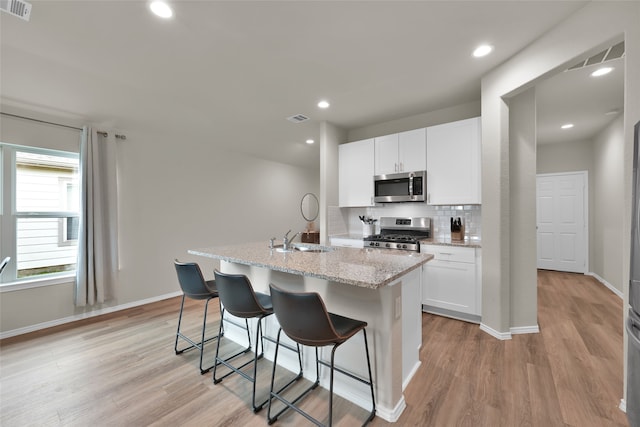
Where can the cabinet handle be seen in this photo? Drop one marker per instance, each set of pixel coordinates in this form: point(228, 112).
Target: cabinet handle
point(395, 167)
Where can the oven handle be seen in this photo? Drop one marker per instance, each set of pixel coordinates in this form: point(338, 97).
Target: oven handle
point(411, 175)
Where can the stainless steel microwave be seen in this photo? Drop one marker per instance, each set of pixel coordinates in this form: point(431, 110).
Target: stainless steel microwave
point(400, 187)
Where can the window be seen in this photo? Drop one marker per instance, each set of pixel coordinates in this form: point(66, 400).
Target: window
point(40, 211)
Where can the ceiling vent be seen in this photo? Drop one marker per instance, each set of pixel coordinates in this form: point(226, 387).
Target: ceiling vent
point(298, 118)
point(611, 53)
point(18, 8)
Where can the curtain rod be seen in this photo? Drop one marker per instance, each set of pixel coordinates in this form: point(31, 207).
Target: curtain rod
point(103, 133)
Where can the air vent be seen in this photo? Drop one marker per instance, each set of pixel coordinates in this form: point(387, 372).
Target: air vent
point(298, 118)
point(18, 8)
point(611, 53)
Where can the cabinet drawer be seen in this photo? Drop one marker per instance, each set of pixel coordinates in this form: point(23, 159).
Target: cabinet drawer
point(450, 253)
point(346, 242)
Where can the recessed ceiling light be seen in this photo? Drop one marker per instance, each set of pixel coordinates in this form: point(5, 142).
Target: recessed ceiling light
point(309, 141)
point(323, 104)
point(601, 71)
point(482, 50)
point(567, 126)
point(161, 9)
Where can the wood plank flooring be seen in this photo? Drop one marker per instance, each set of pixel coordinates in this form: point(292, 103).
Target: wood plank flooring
point(120, 370)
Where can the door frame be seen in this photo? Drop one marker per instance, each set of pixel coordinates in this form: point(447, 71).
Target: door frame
point(585, 209)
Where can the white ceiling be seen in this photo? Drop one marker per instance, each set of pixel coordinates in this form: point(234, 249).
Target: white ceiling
point(229, 73)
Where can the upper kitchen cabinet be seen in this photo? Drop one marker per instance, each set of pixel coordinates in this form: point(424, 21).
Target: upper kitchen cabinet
point(401, 152)
point(453, 163)
point(355, 173)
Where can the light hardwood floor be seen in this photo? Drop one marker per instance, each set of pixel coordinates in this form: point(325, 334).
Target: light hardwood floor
point(120, 370)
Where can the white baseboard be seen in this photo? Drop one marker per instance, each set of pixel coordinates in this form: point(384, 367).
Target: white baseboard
point(535, 329)
point(607, 284)
point(87, 315)
point(494, 333)
point(623, 405)
point(391, 415)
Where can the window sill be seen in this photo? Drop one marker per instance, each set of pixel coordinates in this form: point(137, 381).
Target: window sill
point(20, 285)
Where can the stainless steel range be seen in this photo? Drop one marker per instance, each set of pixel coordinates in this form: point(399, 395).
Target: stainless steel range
point(400, 234)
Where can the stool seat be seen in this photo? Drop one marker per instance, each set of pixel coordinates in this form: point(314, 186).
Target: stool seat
point(304, 318)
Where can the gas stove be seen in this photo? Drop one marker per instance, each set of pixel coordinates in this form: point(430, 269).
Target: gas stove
point(400, 234)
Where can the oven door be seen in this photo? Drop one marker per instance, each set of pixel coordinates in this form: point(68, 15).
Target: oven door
point(400, 187)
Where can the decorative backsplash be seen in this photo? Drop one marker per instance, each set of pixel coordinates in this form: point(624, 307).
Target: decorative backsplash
point(346, 221)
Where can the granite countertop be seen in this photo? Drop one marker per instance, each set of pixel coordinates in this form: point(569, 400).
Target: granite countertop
point(467, 243)
point(370, 268)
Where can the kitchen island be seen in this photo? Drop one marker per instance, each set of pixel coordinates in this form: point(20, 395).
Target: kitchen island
point(374, 285)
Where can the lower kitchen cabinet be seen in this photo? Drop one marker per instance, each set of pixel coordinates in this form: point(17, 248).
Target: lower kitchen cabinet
point(451, 284)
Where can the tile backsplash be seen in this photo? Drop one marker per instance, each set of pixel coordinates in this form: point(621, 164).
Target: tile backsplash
point(346, 221)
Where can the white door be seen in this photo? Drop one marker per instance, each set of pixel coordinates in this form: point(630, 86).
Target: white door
point(561, 201)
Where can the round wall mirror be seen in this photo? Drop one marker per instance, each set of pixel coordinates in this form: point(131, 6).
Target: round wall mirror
point(309, 207)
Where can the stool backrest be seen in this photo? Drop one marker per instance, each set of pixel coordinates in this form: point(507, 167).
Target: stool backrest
point(237, 295)
point(191, 280)
point(303, 317)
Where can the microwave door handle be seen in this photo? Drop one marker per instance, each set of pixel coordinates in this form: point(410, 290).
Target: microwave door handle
point(411, 186)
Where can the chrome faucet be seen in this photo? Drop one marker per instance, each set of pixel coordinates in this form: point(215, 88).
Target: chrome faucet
point(286, 240)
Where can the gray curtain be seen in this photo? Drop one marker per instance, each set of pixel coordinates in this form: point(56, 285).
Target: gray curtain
point(97, 266)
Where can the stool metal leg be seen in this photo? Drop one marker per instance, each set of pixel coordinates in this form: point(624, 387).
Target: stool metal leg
point(193, 344)
point(333, 368)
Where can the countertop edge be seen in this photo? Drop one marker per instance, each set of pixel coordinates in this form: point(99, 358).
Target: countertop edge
point(369, 285)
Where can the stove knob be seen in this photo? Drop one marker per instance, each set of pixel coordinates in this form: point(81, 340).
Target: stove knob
point(388, 245)
point(404, 246)
point(377, 243)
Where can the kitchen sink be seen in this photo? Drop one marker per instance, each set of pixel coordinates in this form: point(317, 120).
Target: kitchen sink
point(304, 248)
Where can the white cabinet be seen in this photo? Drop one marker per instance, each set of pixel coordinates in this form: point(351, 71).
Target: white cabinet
point(453, 163)
point(355, 173)
point(346, 242)
point(451, 283)
point(401, 152)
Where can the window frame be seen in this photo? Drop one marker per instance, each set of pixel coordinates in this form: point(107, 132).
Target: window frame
point(9, 217)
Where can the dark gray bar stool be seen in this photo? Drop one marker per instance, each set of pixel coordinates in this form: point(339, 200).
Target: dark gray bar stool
point(238, 298)
point(194, 286)
point(305, 319)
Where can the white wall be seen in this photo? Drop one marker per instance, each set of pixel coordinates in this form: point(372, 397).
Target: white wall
point(445, 115)
point(176, 192)
point(608, 183)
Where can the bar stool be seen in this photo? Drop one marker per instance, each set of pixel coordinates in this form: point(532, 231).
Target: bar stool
point(238, 298)
point(305, 319)
point(194, 286)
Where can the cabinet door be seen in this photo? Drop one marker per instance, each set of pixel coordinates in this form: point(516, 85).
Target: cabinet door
point(412, 150)
point(355, 173)
point(450, 285)
point(386, 154)
point(453, 163)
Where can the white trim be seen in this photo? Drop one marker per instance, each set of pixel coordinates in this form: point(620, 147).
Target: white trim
point(535, 329)
point(392, 415)
point(494, 333)
point(623, 405)
point(607, 284)
point(80, 316)
point(38, 283)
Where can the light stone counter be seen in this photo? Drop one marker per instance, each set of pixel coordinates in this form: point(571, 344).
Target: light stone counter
point(369, 268)
point(380, 287)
